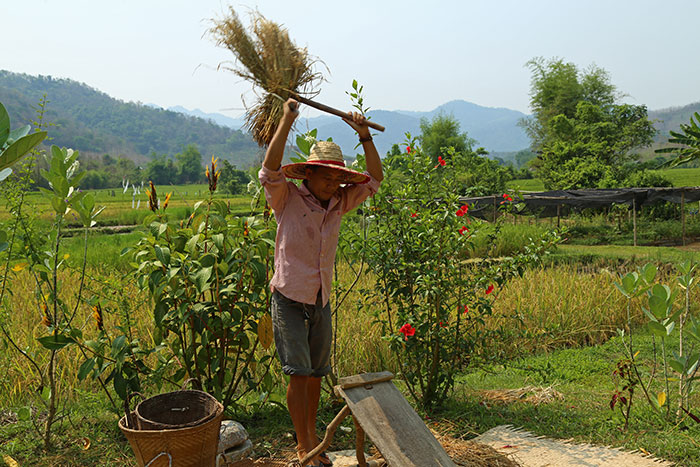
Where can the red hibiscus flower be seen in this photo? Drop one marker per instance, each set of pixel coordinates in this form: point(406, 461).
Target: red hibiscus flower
point(408, 149)
point(506, 197)
point(441, 161)
point(462, 211)
point(407, 330)
point(466, 309)
point(463, 229)
point(413, 214)
point(489, 289)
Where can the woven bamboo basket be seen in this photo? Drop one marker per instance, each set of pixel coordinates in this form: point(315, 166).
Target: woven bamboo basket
point(192, 446)
point(178, 409)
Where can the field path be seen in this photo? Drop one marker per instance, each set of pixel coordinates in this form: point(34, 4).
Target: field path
point(534, 451)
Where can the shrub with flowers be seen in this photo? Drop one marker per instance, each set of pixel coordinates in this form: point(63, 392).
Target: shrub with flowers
point(433, 302)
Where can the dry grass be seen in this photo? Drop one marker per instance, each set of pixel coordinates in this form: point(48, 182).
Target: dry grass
point(271, 61)
point(548, 308)
point(22, 317)
point(529, 394)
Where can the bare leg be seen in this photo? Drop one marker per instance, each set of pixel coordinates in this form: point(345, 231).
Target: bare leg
point(298, 403)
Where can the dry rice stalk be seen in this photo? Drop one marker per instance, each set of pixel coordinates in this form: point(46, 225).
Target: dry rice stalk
point(472, 454)
point(272, 62)
point(528, 394)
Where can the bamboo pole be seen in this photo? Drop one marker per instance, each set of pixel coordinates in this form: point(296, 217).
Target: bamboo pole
point(558, 215)
point(634, 219)
point(683, 214)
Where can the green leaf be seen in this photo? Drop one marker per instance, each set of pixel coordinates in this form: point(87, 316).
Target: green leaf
point(676, 365)
point(621, 289)
point(119, 384)
point(118, 344)
point(59, 205)
point(20, 148)
point(191, 244)
point(202, 278)
point(18, 133)
point(4, 125)
point(629, 282)
point(86, 368)
point(24, 413)
point(55, 342)
point(658, 306)
point(4, 173)
point(649, 273)
point(657, 328)
point(163, 255)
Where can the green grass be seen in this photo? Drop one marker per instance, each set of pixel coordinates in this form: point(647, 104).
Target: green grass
point(678, 177)
point(636, 254)
point(584, 379)
point(530, 184)
point(118, 210)
point(682, 177)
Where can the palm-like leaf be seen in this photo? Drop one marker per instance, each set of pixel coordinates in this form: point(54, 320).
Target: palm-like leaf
point(688, 141)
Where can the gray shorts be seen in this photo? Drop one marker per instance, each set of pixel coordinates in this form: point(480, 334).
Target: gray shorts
point(303, 335)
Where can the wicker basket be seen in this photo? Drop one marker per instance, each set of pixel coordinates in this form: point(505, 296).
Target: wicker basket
point(191, 446)
point(178, 409)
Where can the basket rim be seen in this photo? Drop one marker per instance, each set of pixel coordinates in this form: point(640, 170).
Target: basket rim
point(219, 415)
point(152, 401)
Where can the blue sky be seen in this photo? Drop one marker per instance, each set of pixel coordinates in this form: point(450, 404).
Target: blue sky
point(410, 55)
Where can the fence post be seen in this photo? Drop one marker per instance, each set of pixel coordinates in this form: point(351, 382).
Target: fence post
point(634, 219)
point(683, 214)
point(558, 215)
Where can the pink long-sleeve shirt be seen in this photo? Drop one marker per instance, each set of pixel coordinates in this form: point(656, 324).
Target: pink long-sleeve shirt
point(307, 234)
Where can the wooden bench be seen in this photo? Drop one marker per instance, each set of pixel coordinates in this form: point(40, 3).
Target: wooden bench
point(381, 412)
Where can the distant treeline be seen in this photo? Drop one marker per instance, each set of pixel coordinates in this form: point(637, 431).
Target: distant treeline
point(97, 124)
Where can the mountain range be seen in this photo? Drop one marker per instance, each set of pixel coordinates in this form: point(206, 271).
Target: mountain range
point(495, 129)
point(89, 120)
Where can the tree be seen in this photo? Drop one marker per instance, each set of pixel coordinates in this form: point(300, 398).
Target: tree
point(440, 133)
point(189, 165)
point(232, 180)
point(523, 157)
point(161, 171)
point(583, 137)
point(476, 174)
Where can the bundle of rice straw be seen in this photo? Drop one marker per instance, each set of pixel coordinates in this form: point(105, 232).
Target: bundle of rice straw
point(271, 61)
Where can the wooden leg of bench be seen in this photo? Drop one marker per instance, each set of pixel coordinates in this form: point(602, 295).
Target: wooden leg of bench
point(328, 437)
point(360, 444)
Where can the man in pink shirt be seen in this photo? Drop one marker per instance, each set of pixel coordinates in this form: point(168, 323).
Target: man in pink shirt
point(308, 221)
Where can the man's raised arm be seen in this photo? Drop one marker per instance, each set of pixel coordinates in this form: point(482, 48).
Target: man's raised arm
point(275, 151)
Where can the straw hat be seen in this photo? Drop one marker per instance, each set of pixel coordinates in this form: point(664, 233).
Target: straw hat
point(325, 154)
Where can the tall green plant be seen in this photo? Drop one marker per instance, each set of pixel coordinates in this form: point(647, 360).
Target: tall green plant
point(434, 303)
point(664, 320)
point(207, 278)
point(56, 310)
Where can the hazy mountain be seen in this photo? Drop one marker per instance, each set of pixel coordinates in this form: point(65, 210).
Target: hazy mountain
point(219, 119)
point(86, 119)
point(93, 122)
point(493, 128)
point(666, 120)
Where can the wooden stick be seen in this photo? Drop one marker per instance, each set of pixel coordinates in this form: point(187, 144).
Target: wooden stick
point(331, 110)
point(328, 437)
point(359, 444)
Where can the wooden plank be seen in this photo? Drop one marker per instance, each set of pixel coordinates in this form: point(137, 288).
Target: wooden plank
point(394, 427)
point(364, 379)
